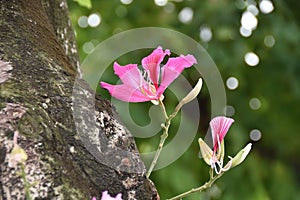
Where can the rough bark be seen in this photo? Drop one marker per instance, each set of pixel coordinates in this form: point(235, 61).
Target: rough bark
point(67, 159)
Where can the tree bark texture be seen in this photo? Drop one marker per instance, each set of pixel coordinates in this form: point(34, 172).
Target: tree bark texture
point(67, 159)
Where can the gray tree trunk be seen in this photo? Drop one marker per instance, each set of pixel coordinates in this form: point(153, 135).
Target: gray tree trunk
point(70, 156)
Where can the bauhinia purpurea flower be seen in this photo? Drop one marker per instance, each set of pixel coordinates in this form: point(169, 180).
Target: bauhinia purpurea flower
point(150, 83)
point(214, 157)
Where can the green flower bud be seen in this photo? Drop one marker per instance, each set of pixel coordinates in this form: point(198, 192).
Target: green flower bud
point(240, 156)
point(191, 95)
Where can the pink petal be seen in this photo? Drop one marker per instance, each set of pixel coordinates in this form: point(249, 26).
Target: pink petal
point(129, 74)
point(119, 197)
point(126, 93)
point(181, 62)
point(106, 196)
point(173, 69)
point(219, 128)
point(152, 62)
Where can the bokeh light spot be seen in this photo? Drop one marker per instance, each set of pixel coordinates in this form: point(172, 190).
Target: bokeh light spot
point(169, 8)
point(266, 6)
point(161, 2)
point(245, 32)
point(126, 2)
point(255, 135)
point(94, 20)
point(251, 2)
point(186, 15)
point(254, 103)
point(88, 47)
point(229, 110)
point(253, 9)
point(249, 21)
point(251, 59)
point(232, 83)
point(240, 4)
point(83, 21)
point(269, 41)
point(205, 33)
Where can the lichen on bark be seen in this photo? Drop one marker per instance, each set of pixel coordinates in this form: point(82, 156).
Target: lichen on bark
point(62, 162)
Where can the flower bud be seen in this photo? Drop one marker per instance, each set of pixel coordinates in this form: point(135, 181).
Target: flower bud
point(191, 95)
point(240, 156)
point(206, 151)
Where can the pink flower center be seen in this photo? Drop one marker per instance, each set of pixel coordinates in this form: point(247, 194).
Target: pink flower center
point(150, 89)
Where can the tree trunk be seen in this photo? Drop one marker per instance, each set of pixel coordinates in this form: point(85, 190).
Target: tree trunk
point(76, 146)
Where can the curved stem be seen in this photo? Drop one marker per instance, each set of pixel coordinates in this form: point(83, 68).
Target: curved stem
point(199, 189)
point(163, 109)
point(163, 138)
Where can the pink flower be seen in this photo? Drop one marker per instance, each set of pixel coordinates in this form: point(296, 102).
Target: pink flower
point(219, 128)
point(214, 158)
point(106, 196)
point(150, 84)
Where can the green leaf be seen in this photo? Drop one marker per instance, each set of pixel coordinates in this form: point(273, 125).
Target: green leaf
point(84, 3)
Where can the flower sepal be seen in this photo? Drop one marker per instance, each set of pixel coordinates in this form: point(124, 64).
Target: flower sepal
point(205, 151)
point(240, 156)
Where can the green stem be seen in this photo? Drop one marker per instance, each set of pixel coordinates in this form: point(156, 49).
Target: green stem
point(26, 183)
point(163, 138)
point(163, 109)
point(165, 134)
point(199, 189)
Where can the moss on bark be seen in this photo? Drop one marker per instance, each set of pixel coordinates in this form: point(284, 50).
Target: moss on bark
point(37, 40)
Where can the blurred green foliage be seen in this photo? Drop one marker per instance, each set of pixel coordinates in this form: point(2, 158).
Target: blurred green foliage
point(271, 171)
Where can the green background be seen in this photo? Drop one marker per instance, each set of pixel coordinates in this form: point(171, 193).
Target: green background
point(271, 169)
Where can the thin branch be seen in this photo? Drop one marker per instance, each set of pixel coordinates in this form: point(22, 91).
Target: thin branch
point(208, 184)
